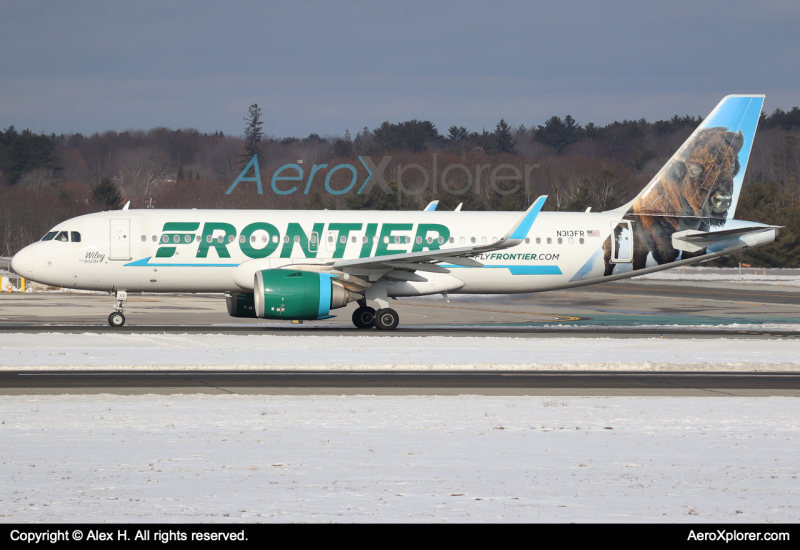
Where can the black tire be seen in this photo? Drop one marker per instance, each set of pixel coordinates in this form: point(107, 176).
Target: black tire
point(386, 319)
point(116, 319)
point(364, 317)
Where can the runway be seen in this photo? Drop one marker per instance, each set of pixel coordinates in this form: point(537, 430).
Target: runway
point(402, 383)
point(628, 308)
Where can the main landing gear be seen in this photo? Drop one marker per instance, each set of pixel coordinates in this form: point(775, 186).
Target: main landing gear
point(384, 319)
point(117, 318)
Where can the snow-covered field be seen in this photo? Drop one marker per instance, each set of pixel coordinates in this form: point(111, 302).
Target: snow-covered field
point(233, 352)
point(360, 458)
point(751, 275)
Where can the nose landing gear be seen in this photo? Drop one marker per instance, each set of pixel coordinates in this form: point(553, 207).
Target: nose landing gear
point(117, 318)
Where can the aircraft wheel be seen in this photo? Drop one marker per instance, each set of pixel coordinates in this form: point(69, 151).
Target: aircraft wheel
point(116, 319)
point(386, 319)
point(364, 317)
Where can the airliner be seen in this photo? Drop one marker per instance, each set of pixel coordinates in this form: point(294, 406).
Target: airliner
point(301, 265)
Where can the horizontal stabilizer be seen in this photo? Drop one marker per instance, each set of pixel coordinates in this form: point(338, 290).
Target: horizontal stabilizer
point(692, 240)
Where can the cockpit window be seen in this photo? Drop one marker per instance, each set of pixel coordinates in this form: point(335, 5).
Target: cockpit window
point(49, 236)
point(75, 236)
point(63, 237)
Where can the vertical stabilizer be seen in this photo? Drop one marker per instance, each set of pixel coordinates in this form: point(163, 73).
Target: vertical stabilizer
point(703, 179)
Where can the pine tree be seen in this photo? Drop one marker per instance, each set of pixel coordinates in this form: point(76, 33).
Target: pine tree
point(106, 194)
point(180, 173)
point(505, 143)
point(252, 133)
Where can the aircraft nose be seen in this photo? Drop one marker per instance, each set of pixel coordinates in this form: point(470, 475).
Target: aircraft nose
point(22, 262)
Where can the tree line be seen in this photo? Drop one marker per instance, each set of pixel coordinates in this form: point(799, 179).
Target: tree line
point(47, 178)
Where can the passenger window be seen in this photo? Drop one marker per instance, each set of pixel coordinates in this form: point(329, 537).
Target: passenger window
point(208, 238)
point(419, 240)
point(571, 240)
point(63, 237)
point(364, 239)
point(452, 240)
point(144, 238)
point(297, 238)
point(176, 238)
point(49, 236)
point(472, 240)
point(538, 240)
point(461, 241)
point(549, 240)
point(483, 240)
point(527, 240)
point(580, 240)
point(241, 238)
point(342, 239)
point(441, 240)
point(560, 240)
point(353, 239)
point(156, 238)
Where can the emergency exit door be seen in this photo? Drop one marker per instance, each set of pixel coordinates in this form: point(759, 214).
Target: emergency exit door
point(120, 239)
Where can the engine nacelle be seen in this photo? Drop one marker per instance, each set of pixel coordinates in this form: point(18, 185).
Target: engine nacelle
point(298, 295)
point(241, 304)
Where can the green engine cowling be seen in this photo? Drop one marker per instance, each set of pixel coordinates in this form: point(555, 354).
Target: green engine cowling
point(298, 295)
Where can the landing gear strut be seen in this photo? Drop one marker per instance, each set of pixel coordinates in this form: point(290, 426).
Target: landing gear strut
point(117, 318)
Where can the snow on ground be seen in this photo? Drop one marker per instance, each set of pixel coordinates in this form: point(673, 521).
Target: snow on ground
point(750, 275)
point(200, 458)
point(216, 351)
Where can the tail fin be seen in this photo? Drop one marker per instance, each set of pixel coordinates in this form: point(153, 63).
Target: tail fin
point(703, 178)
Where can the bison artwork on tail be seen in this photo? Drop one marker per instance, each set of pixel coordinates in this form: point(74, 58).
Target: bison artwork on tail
point(694, 190)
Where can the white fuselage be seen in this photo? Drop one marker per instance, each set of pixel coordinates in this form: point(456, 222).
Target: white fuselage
point(200, 250)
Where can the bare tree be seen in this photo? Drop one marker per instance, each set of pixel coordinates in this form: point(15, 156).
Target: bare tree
point(142, 172)
point(40, 179)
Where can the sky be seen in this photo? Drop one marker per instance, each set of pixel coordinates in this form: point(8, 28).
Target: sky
point(325, 67)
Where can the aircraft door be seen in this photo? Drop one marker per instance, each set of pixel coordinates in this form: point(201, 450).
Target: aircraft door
point(313, 242)
point(120, 239)
point(622, 242)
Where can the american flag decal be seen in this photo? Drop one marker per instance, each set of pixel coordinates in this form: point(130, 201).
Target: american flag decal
point(593, 233)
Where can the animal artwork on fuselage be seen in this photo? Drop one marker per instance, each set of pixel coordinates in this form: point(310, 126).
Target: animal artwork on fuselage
point(697, 189)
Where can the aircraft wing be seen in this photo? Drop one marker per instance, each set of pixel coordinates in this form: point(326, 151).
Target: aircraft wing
point(377, 266)
point(692, 240)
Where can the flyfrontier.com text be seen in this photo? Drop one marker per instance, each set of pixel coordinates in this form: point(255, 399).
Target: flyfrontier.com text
point(293, 178)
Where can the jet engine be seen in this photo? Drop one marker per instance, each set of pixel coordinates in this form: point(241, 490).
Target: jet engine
point(241, 304)
point(296, 295)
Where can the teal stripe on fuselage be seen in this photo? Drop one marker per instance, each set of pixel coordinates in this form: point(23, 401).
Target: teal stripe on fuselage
point(145, 262)
point(516, 269)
